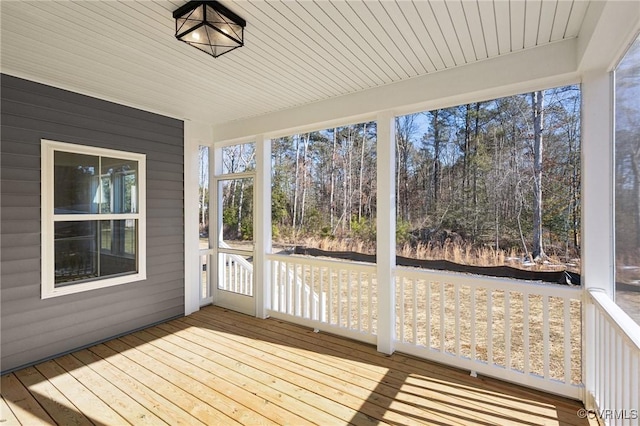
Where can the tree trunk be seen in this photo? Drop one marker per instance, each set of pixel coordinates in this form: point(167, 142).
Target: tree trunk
point(231, 191)
point(496, 200)
point(295, 186)
point(332, 205)
point(345, 176)
point(204, 184)
point(364, 142)
point(400, 198)
point(476, 139)
point(537, 101)
point(465, 158)
point(575, 191)
point(305, 150)
point(436, 158)
point(239, 228)
point(350, 147)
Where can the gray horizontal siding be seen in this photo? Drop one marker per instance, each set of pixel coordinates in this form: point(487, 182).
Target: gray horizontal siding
point(79, 338)
point(20, 213)
point(21, 111)
point(18, 227)
point(31, 328)
point(10, 241)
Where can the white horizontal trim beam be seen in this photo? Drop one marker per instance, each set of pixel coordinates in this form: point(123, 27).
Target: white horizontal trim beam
point(366, 268)
point(533, 69)
point(80, 217)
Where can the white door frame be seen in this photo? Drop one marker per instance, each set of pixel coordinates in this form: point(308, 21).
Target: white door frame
point(226, 298)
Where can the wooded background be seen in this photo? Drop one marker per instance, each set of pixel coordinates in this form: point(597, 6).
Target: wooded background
point(502, 174)
point(464, 175)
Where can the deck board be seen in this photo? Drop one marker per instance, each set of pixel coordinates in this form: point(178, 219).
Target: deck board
point(7, 416)
point(164, 408)
point(21, 405)
point(221, 367)
point(119, 400)
point(405, 371)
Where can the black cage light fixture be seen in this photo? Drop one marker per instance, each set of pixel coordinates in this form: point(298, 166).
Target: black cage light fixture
point(209, 26)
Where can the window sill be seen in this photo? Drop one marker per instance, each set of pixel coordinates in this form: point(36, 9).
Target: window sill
point(49, 291)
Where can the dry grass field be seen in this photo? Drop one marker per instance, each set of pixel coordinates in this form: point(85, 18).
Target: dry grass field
point(464, 254)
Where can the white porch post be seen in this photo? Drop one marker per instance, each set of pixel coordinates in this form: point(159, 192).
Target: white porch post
point(386, 227)
point(215, 217)
point(597, 182)
point(195, 134)
point(262, 224)
point(597, 209)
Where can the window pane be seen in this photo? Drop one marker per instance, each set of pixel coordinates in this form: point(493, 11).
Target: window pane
point(323, 189)
point(493, 183)
point(119, 185)
point(76, 183)
point(78, 258)
point(76, 254)
point(237, 213)
point(238, 158)
point(627, 182)
point(203, 162)
point(121, 258)
point(105, 235)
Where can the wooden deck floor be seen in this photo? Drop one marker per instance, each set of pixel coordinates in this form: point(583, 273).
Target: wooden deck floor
point(218, 367)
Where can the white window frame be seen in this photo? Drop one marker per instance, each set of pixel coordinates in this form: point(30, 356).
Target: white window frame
point(48, 288)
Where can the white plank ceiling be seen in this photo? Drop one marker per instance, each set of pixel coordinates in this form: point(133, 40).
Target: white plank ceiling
point(295, 53)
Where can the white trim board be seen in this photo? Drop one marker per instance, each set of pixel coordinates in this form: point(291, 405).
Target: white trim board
point(542, 67)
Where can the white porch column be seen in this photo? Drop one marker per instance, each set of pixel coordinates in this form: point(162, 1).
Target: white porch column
point(386, 227)
point(215, 217)
point(597, 210)
point(195, 134)
point(262, 226)
point(597, 182)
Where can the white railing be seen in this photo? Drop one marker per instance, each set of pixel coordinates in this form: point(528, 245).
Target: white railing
point(525, 332)
point(236, 274)
point(328, 295)
point(294, 296)
point(613, 361)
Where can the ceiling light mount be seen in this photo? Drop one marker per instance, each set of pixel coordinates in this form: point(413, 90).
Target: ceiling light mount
point(209, 26)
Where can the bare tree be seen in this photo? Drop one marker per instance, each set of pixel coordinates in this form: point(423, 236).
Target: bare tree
point(296, 183)
point(332, 204)
point(436, 156)
point(537, 102)
point(305, 172)
point(203, 156)
point(360, 177)
point(405, 129)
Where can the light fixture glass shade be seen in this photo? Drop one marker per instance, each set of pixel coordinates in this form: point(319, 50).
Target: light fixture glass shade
point(209, 26)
